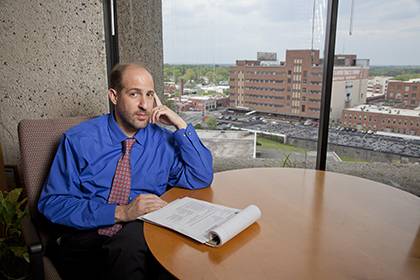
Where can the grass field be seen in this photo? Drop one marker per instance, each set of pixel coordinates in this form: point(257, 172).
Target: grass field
point(350, 159)
point(287, 149)
point(272, 144)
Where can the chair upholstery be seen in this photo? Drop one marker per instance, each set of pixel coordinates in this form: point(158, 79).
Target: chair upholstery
point(38, 140)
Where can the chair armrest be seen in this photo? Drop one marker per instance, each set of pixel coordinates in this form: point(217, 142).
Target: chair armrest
point(35, 247)
point(31, 236)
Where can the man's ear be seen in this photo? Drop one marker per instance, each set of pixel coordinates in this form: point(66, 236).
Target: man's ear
point(113, 96)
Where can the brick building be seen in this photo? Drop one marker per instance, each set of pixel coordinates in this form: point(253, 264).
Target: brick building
point(201, 103)
point(406, 93)
point(382, 118)
point(169, 88)
point(293, 87)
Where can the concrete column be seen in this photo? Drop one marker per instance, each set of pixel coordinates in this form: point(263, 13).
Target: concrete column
point(53, 63)
point(140, 35)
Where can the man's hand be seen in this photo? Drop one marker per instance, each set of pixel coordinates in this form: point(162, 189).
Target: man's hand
point(141, 205)
point(164, 115)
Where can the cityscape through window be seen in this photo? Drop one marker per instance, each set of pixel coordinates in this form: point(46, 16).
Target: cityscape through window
point(248, 75)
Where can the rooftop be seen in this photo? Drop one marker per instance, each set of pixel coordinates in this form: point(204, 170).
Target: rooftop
point(385, 110)
point(406, 82)
point(199, 97)
point(228, 144)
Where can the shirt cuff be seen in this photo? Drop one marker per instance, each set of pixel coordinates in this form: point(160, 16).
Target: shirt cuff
point(185, 135)
point(108, 215)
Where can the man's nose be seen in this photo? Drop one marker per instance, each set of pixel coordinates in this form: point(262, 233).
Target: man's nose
point(141, 101)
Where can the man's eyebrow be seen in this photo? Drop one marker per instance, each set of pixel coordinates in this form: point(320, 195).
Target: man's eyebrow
point(142, 90)
point(136, 89)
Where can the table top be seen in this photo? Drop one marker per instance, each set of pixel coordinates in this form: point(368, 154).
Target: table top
point(314, 225)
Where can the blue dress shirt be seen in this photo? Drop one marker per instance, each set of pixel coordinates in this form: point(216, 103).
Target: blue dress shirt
point(76, 191)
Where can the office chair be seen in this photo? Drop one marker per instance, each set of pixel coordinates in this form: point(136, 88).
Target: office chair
point(38, 140)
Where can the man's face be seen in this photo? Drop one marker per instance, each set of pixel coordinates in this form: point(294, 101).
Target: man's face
point(135, 101)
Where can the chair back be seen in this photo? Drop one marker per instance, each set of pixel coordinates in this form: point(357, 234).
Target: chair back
point(38, 141)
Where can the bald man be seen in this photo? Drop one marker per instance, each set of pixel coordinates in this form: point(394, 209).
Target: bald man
point(112, 169)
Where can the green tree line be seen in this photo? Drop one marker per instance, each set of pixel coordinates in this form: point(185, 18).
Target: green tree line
point(402, 73)
point(196, 73)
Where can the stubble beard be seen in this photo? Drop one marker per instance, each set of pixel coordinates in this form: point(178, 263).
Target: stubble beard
point(130, 121)
point(137, 124)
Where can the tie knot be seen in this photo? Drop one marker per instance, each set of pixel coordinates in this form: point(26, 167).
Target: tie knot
point(128, 144)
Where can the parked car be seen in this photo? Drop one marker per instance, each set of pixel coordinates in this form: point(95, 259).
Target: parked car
point(307, 122)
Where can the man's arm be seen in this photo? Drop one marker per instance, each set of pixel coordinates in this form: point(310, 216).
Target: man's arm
point(62, 200)
point(193, 163)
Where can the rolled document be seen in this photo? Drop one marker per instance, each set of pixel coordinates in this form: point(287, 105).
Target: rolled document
point(226, 231)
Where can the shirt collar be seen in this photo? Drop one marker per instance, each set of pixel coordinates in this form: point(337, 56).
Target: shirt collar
point(117, 135)
point(141, 134)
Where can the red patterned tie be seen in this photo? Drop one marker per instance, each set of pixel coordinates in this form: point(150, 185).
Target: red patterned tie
point(120, 185)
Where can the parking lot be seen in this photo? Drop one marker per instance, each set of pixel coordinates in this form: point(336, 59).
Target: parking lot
point(309, 130)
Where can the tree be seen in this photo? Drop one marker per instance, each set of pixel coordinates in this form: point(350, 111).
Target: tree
point(189, 75)
point(211, 76)
point(211, 122)
point(196, 73)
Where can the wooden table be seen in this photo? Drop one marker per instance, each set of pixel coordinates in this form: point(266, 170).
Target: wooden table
point(314, 225)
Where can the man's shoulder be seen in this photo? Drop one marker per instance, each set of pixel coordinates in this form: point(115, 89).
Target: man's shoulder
point(88, 128)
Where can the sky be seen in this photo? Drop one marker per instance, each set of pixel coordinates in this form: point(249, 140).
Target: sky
point(220, 32)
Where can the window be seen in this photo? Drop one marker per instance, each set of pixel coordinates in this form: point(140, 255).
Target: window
point(223, 51)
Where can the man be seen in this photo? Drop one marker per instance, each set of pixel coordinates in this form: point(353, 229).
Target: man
point(112, 169)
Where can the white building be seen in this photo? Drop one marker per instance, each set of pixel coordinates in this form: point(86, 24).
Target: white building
point(348, 89)
point(218, 89)
point(377, 86)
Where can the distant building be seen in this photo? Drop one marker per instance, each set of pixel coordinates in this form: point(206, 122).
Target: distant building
point(382, 118)
point(349, 85)
point(406, 93)
point(377, 86)
point(169, 88)
point(218, 89)
point(222, 101)
point(183, 106)
point(293, 87)
point(201, 103)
